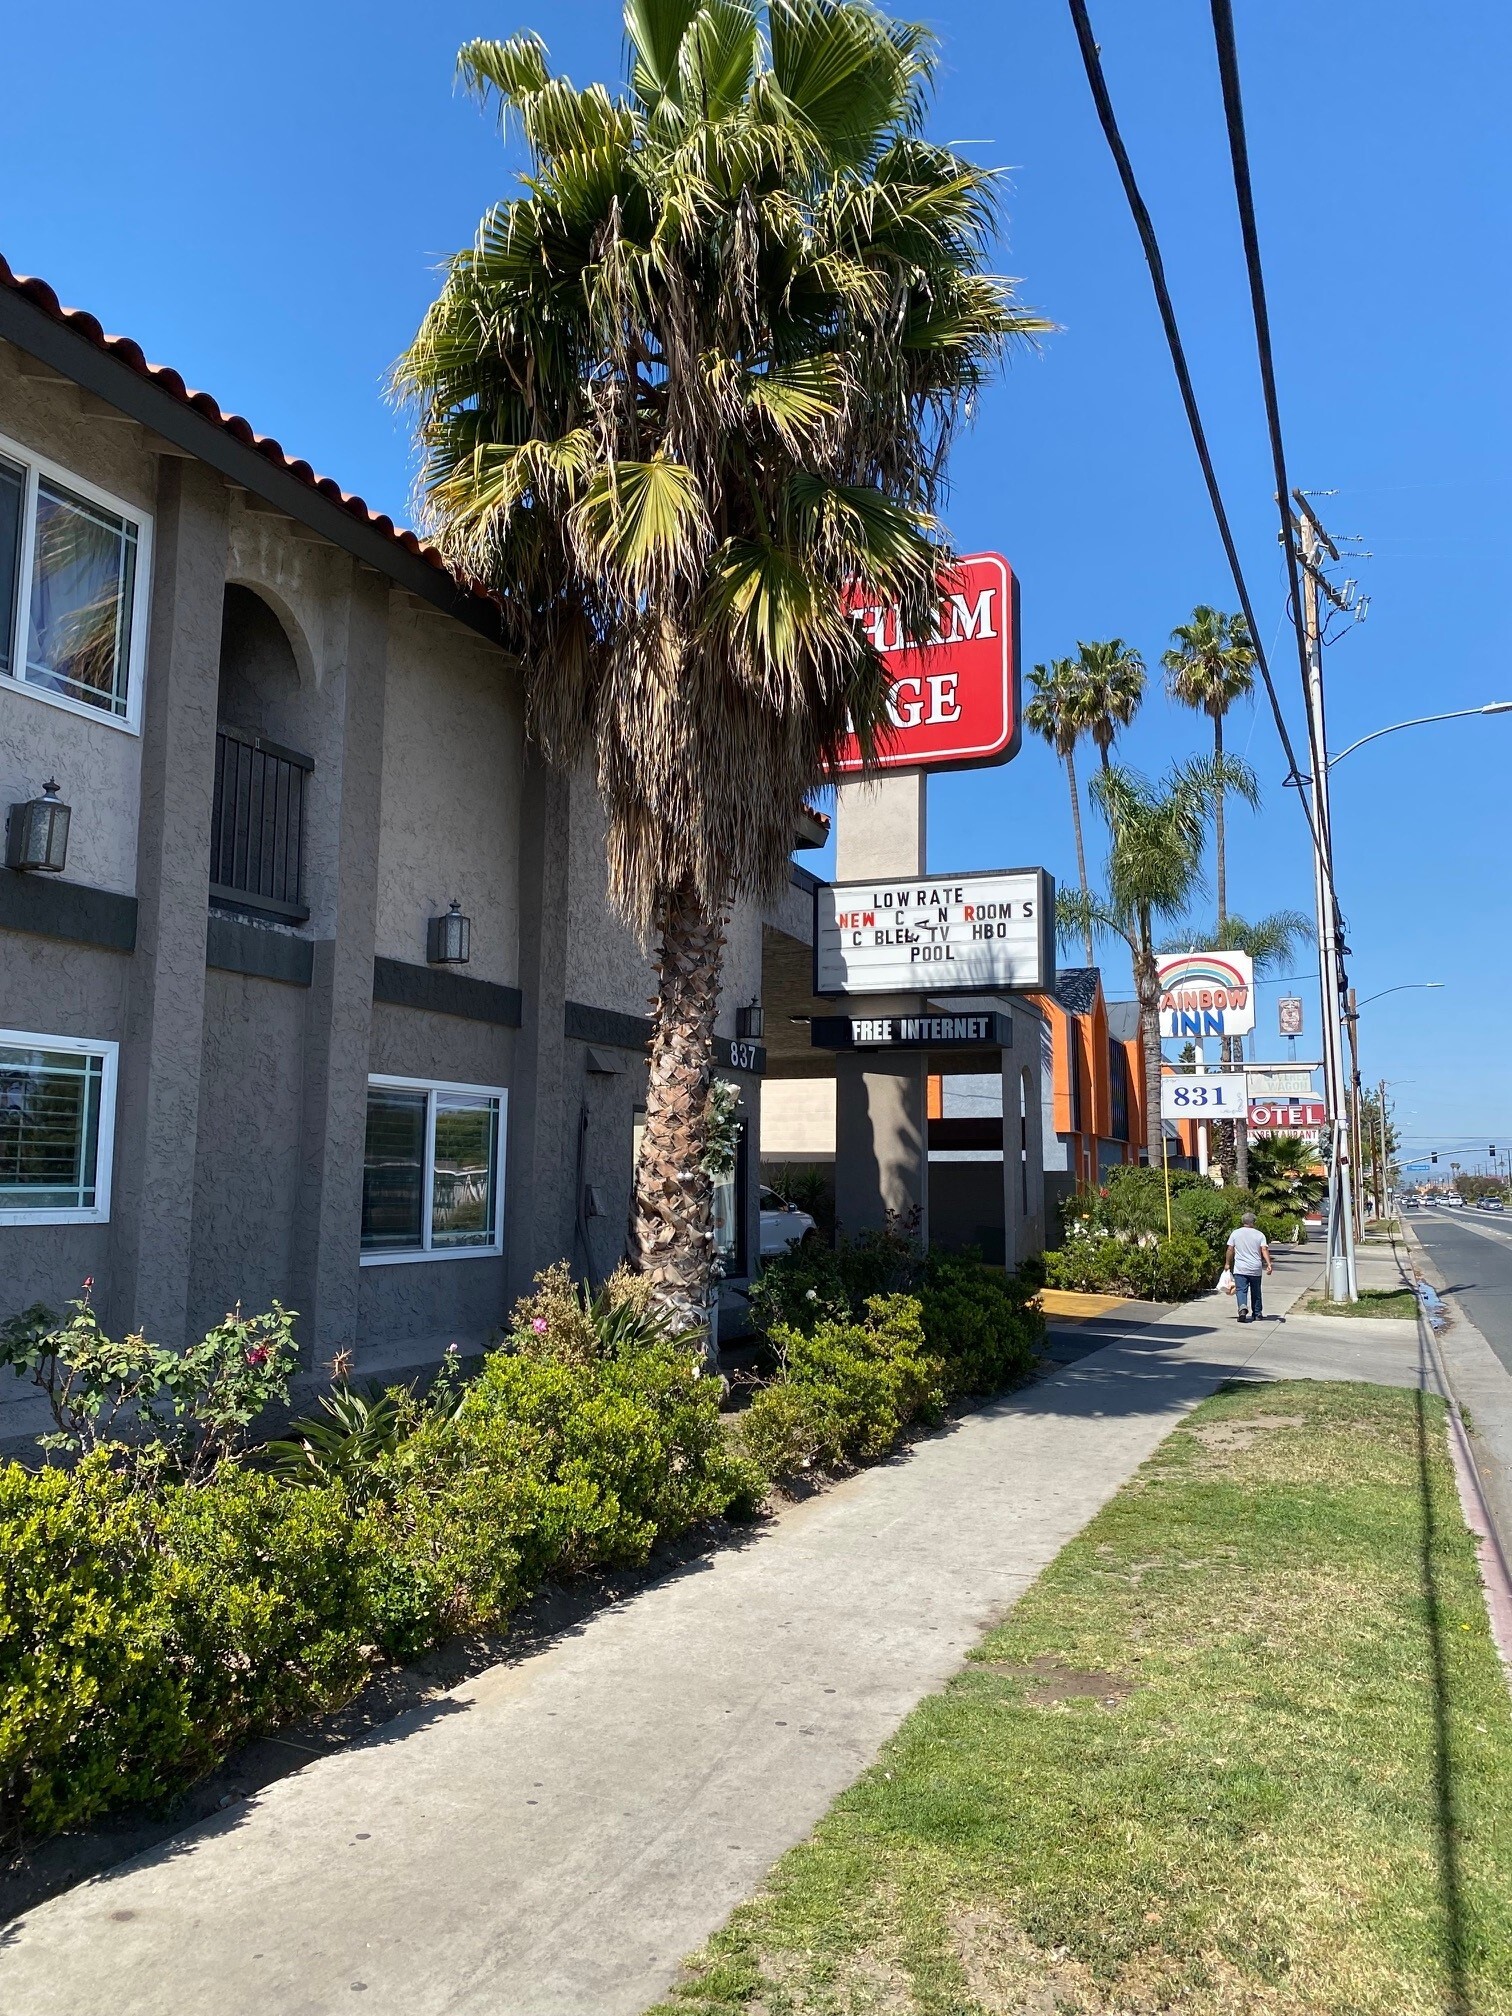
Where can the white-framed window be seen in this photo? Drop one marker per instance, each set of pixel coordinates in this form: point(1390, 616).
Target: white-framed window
point(432, 1171)
point(57, 1129)
point(75, 570)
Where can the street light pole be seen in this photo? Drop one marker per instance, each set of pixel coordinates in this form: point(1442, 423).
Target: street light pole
point(1417, 721)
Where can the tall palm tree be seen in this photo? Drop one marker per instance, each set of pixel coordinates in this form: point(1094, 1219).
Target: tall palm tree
point(1111, 678)
point(698, 376)
point(1156, 837)
point(1210, 665)
point(1056, 714)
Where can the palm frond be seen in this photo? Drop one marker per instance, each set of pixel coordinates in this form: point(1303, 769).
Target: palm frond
point(1080, 913)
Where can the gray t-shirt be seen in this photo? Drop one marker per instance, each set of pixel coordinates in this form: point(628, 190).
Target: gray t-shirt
point(1250, 1249)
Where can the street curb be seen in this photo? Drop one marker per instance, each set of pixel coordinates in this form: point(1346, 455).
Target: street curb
point(1490, 1550)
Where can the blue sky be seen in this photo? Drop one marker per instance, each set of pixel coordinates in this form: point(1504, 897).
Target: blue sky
point(261, 196)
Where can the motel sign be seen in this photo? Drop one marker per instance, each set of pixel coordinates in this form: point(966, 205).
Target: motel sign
point(1206, 994)
point(954, 698)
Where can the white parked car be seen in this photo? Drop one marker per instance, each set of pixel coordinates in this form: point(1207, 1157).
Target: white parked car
point(782, 1224)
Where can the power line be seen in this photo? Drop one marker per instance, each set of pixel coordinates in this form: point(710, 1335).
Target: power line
point(1233, 113)
point(1092, 63)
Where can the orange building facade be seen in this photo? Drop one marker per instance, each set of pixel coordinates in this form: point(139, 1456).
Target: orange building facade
point(1095, 1118)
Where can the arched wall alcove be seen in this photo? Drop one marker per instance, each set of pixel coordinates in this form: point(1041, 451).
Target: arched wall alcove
point(265, 687)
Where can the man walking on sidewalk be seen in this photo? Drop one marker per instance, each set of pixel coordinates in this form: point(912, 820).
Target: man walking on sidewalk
point(1247, 1255)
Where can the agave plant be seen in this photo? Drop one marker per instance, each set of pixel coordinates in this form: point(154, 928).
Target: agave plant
point(347, 1446)
point(697, 378)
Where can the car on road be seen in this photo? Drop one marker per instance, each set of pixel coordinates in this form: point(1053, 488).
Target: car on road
point(782, 1224)
point(1490, 1204)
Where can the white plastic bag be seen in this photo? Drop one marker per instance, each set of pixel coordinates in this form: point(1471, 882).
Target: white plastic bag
point(1226, 1282)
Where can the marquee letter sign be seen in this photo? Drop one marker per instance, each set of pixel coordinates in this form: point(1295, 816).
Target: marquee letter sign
point(988, 933)
point(954, 702)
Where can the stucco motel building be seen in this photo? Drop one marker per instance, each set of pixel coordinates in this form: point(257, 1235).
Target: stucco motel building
point(309, 988)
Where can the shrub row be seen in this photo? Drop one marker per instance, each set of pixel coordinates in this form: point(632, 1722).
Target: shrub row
point(149, 1624)
point(1117, 1241)
point(872, 1336)
point(155, 1612)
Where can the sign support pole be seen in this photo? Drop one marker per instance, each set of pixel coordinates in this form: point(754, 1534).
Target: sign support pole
point(882, 1101)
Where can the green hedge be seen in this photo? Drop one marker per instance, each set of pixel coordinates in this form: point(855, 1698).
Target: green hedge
point(1117, 1241)
point(143, 1633)
point(151, 1617)
point(873, 1336)
point(1161, 1270)
point(146, 1627)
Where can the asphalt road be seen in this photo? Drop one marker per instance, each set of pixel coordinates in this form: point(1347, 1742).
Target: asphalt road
point(1473, 1251)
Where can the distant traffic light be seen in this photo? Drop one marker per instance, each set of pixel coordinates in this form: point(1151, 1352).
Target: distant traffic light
point(1491, 1151)
point(1433, 1158)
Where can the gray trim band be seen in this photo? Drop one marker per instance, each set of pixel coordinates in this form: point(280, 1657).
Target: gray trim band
point(71, 910)
point(233, 945)
point(441, 992)
point(606, 1025)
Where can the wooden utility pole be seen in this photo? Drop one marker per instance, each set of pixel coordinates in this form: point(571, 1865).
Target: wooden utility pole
point(1342, 1282)
point(1383, 1180)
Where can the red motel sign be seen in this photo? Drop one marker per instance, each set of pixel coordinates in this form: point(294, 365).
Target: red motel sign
point(955, 699)
point(1285, 1116)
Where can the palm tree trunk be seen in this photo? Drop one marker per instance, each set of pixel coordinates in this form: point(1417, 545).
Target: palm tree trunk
point(1233, 1143)
point(1081, 852)
point(671, 1232)
point(1147, 987)
point(1218, 833)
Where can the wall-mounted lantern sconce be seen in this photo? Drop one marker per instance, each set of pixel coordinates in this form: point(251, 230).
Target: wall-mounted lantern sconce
point(36, 834)
point(448, 939)
point(750, 1023)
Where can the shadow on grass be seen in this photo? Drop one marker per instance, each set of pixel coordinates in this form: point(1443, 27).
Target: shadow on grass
point(1451, 1887)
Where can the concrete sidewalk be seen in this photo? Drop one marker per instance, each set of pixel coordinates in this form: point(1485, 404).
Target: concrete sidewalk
point(554, 1835)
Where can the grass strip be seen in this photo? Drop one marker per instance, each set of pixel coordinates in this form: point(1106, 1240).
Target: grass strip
point(1245, 1749)
point(1399, 1302)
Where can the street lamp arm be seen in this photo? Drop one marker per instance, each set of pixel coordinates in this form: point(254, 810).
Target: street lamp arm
point(1405, 987)
point(1421, 721)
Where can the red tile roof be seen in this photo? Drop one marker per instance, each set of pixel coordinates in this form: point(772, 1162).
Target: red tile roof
point(130, 353)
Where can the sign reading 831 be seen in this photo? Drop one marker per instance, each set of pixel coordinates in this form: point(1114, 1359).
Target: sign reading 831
point(1219, 1095)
